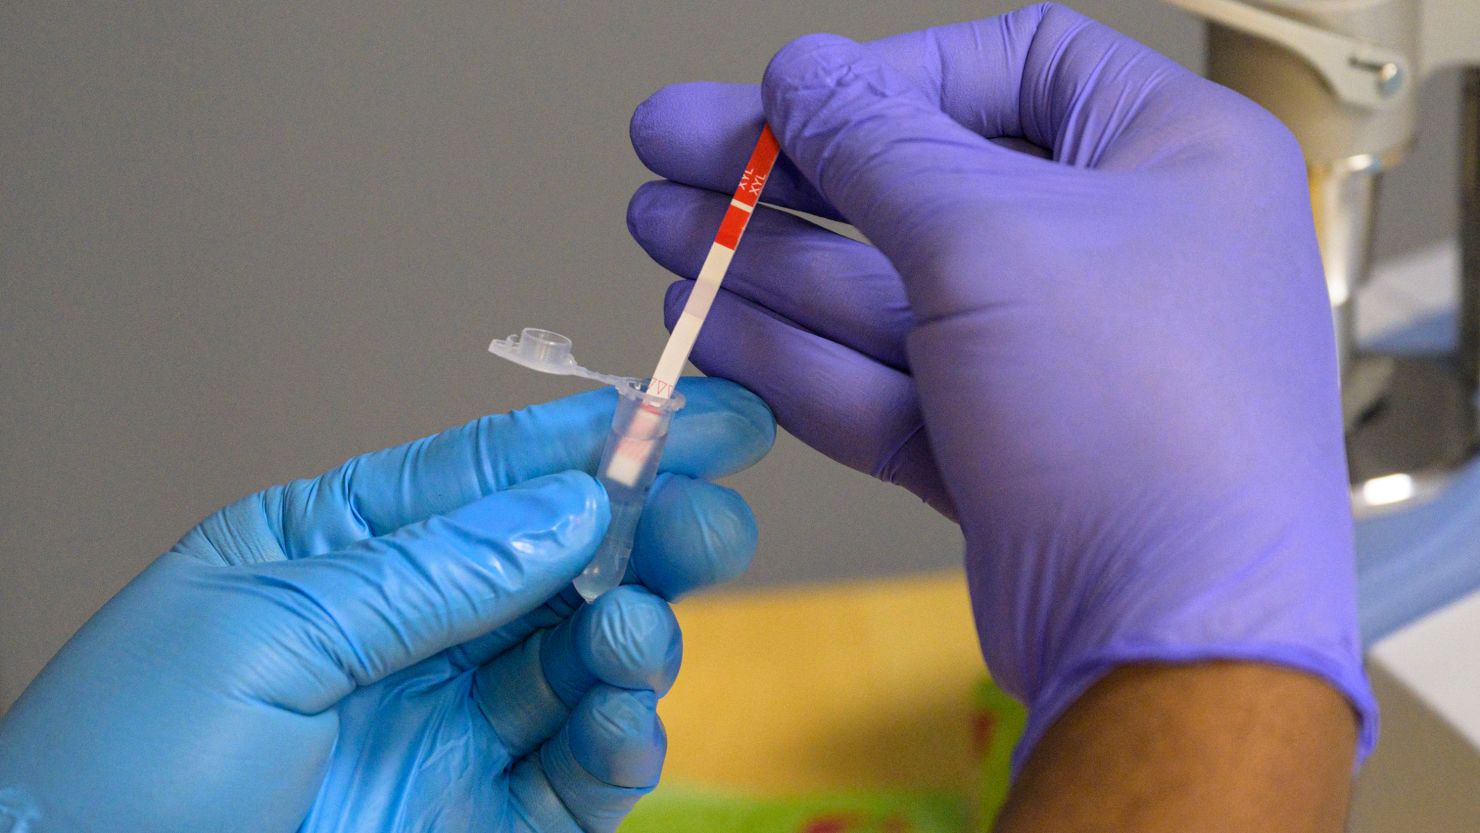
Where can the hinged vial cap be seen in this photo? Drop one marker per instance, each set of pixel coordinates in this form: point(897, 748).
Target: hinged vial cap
point(542, 347)
point(547, 352)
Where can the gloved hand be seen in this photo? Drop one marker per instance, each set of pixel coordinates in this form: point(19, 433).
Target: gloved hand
point(1114, 365)
point(394, 646)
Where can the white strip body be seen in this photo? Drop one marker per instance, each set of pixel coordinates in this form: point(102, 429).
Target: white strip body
point(695, 310)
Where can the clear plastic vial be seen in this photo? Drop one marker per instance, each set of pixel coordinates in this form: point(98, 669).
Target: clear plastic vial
point(628, 465)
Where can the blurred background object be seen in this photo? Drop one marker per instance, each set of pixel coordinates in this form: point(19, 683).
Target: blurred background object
point(876, 718)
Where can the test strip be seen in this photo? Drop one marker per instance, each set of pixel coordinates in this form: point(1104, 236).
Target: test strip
point(716, 263)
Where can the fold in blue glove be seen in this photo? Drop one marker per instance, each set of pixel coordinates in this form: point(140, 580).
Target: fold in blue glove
point(394, 646)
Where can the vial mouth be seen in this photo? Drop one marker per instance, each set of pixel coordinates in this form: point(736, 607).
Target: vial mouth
point(638, 389)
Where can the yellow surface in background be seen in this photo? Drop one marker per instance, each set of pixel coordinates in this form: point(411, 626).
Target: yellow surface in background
point(853, 686)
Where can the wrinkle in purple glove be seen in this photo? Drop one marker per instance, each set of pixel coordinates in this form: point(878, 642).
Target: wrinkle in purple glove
point(1114, 366)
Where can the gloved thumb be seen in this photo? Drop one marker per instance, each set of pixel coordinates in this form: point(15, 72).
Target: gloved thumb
point(881, 150)
point(352, 617)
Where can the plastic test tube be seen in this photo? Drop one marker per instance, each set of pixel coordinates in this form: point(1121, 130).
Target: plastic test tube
point(628, 465)
point(644, 410)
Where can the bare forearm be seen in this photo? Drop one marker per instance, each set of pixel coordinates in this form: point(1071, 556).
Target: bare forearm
point(1213, 746)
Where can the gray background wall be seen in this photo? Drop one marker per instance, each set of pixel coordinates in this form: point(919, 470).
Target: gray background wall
point(241, 242)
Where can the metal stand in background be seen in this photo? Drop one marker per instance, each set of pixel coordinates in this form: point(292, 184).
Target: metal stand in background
point(1342, 76)
point(1421, 426)
point(1469, 233)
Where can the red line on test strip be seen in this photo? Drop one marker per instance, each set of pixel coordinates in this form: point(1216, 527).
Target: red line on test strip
point(716, 262)
point(748, 193)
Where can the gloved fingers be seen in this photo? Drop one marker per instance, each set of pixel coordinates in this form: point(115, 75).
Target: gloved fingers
point(1042, 75)
point(842, 289)
point(589, 775)
point(692, 534)
point(627, 638)
point(701, 133)
point(855, 410)
point(886, 156)
point(720, 430)
point(352, 617)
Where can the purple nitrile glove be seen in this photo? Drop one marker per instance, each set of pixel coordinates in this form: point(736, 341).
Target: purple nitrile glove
point(1121, 354)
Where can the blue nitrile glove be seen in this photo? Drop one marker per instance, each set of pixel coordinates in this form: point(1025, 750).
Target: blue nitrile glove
point(394, 646)
point(1114, 365)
